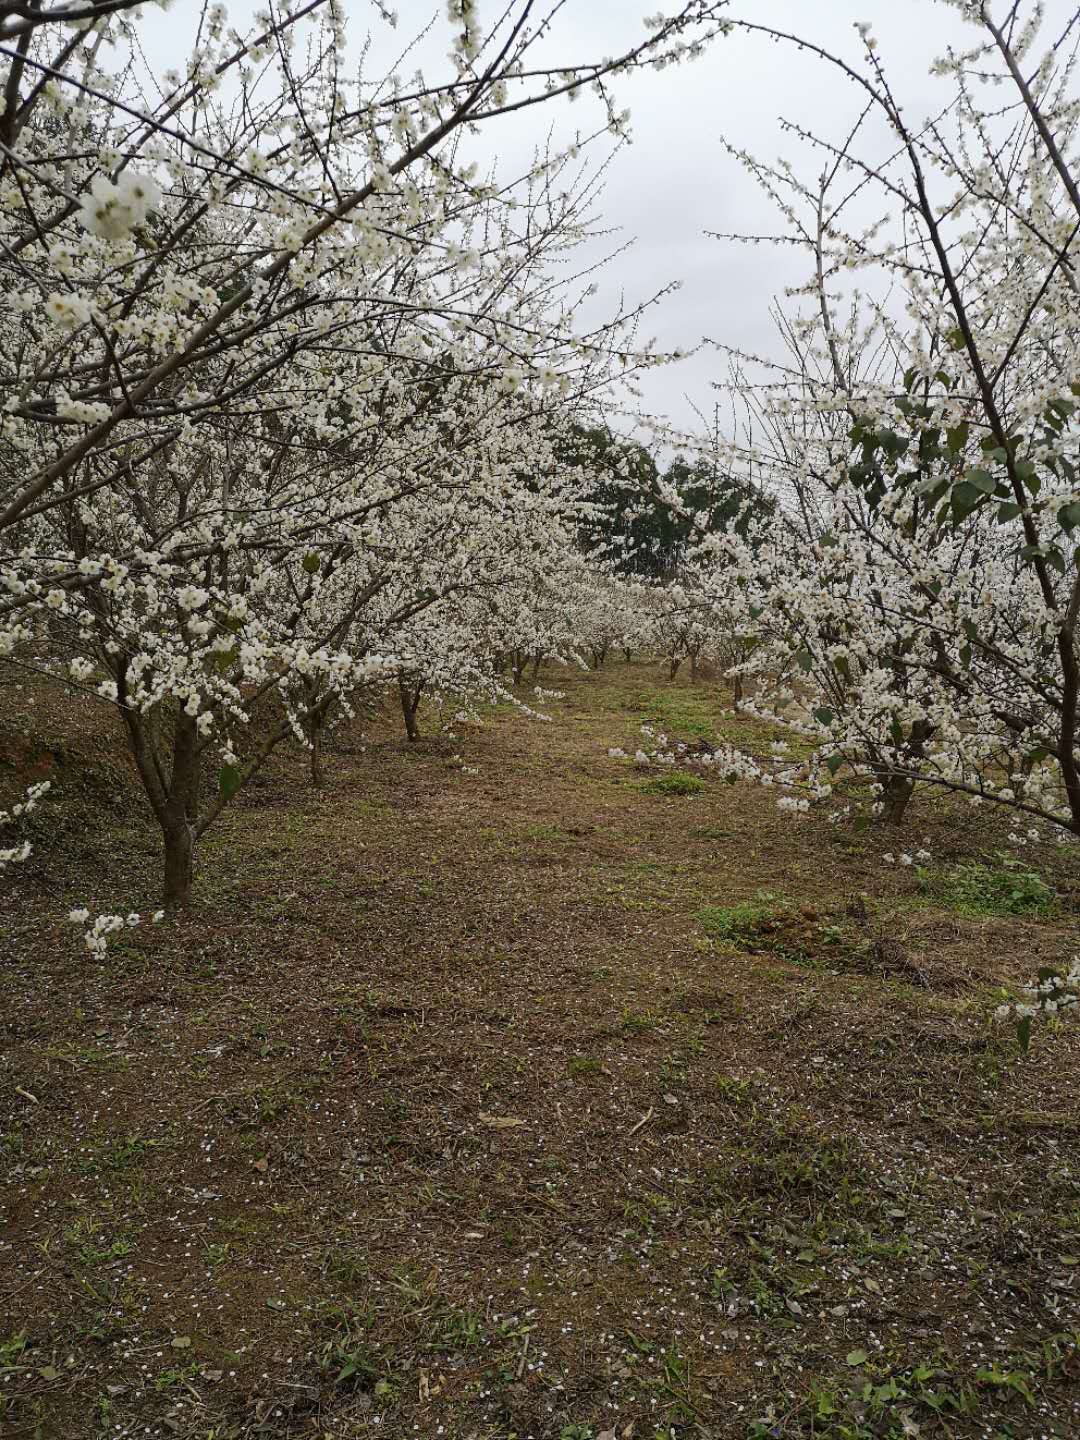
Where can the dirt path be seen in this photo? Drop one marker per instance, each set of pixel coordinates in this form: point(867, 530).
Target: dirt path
point(528, 1102)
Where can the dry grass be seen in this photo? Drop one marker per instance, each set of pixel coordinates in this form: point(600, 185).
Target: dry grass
point(447, 1113)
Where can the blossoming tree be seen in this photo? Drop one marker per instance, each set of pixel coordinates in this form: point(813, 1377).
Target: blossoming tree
point(917, 593)
point(250, 310)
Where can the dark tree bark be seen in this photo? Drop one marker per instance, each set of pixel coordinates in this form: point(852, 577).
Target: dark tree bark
point(410, 704)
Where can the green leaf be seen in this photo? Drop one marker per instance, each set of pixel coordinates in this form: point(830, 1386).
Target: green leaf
point(1023, 1033)
point(956, 437)
point(982, 480)
point(965, 656)
point(229, 781)
point(311, 562)
point(833, 763)
point(934, 487)
point(1008, 511)
point(1069, 517)
point(805, 660)
point(955, 339)
point(892, 443)
point(857, 1357)
point(823, 715)
point(964, 499)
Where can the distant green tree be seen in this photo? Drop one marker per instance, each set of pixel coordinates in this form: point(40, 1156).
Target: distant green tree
point(645, 534)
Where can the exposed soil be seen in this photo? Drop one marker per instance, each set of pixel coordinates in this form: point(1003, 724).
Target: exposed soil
point(448, 1112)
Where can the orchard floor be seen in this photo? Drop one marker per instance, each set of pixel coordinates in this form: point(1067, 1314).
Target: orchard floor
point(464, 1106)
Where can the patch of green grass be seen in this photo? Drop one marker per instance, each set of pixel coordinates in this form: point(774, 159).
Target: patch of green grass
point(454, 1328)
point(681, 711)
point(976, 889)
point(127, 1153)
point(675, 782)
point(635, 1022)
point(872, 1398)
point(82, 1234)
point(742, 925)
point(170, 1379)
point(11, 1347)
point(583, 1065)
point(733, 1091)
point(543, 832)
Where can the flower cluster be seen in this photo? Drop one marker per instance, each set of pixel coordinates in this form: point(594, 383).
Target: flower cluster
point(112, 209)
point(1053, 992)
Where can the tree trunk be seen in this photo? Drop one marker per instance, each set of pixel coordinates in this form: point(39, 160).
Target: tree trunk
point(897, 790)
point(194, 790)
point(315, 730)
point(675, 663)
point(410, 703)
point(895, 796)
point(179, 866)
point(315, 724)
point(738, 692)
point(179, 814)
point(693, 665)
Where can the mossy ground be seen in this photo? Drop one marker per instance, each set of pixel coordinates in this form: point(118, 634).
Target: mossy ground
point(528, 1103)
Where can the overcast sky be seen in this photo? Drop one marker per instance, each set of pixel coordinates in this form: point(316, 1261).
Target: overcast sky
point(675, 183)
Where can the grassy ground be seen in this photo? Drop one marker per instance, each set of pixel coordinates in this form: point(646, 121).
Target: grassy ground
point(531, 1102)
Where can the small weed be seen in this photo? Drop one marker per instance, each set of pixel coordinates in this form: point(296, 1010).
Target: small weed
point(734, 1092)
point(169, 1379)
point(349, 1270)
point(125, 1154)
point(353, 1365)
point(636, 1022)
point(455, 1329)
point(216, 1253)
point(91, 1255)
point(583, 1065)
point(11, 1347)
